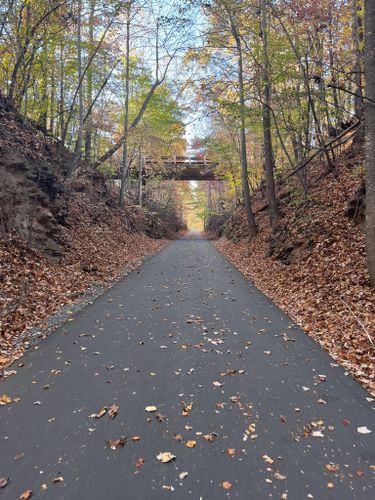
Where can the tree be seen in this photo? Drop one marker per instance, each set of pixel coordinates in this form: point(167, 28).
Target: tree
point(124, 165)
point(241, 95)
point(370, 134)
point(266, 106)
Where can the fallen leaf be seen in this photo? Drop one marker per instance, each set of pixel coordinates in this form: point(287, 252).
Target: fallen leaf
point(112, 411)
point(317, 434)
point(226, 485)
point(279, 476)
point(136, 439)
point(217, 384)
point(58, 479)
point(231, 451)
point(139, 462)
point(187, 409)
point(26, 495)
point(116, 443)
point(210, 437)
point(150, 408)
point(100, 413)
point(182, 475)
point(160, 417)
point(4, 481)
point(191, 443)
point(267, 459)
point(5, 400)
point(331, 467)
point(165, 457)
point(363, 430)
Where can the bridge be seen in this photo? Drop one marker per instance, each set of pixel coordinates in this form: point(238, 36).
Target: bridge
point(181, 168)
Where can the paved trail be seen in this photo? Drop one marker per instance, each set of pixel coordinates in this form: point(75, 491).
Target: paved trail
point(180, 331)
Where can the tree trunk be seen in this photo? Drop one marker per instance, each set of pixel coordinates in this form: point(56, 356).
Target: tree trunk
point(244, 168)
point(267, 139)
point(77, 152)
point(124, 167)
point(89, 123)
point(356, 41)
point(370, 134)
point(62, 93)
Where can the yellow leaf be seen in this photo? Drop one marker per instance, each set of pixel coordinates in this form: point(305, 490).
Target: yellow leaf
point(150, 408)
point(165, 457)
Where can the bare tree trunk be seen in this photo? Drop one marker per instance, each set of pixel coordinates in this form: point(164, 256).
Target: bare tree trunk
point(370, 134)
point(356, 40)
point(267, 139)
point(62, 91)
point(244, 167)
point(77, 152)
point(140, 178)
point(89, 123)
point(124, 167)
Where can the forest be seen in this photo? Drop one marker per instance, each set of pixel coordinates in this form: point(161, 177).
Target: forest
point(151, 149)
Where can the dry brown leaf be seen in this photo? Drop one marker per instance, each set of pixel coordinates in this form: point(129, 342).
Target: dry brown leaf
point(139, 462)
point(113, 444)
point(26, 495)
point(3, 481)
point(210, 437)
point(187, 409)
point(331, 467)
point(166, 457)
point(112, 411)
point(5, 400)
point(191, 443)
point(100, 413)
point(226, 485)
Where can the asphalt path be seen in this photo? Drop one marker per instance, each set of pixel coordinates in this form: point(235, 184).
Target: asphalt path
point(206, 372)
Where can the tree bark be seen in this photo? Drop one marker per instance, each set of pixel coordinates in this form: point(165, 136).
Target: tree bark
point(267, 138)
point(243, 152)
point(357, 71)
point(77, 152)
point(89, 91)
point(124, 167)
point(370, 134)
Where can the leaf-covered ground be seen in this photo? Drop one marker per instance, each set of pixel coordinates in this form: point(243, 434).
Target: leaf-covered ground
point(325, 289)
point(33, 287)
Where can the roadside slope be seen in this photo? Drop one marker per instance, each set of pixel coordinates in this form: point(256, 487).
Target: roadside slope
point(315, 268)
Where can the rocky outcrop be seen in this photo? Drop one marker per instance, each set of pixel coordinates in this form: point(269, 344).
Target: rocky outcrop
point(32, 202)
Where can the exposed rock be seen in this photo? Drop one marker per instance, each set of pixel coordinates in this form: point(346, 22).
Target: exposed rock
point(32, 202)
